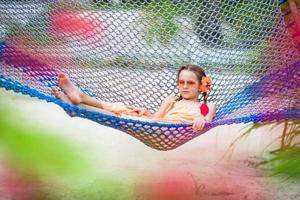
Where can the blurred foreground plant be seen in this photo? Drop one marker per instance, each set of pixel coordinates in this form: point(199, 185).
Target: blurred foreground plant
point(35, 164)
point(285, 159)
point(31, 159)
point(34, 150)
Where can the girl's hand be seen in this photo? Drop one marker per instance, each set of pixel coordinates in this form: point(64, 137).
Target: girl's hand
point(199, 123)
point(140, 111)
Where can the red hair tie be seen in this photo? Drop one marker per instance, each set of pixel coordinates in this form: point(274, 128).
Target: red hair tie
point(204, 109)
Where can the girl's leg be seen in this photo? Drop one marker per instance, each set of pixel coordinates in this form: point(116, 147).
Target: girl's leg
point(75, 95)
point(60, 96)
point(96, 109)
point(65, 98)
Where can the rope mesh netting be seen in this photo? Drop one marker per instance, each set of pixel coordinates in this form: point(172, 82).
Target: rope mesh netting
point(129, 51)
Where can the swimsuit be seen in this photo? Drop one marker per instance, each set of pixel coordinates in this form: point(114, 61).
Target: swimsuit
point(183, 112)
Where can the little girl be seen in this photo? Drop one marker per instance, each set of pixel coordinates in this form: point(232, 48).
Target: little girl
point(186, 109)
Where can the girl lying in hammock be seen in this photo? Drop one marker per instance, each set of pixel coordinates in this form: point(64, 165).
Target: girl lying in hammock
point(186, 109)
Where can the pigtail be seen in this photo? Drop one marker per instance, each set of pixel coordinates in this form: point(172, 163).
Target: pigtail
point(179, 98)
point(205, 96)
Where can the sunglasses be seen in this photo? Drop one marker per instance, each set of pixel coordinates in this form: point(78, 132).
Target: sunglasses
point(182, 83)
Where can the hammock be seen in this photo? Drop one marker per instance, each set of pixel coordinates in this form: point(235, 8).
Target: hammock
point(129, 52)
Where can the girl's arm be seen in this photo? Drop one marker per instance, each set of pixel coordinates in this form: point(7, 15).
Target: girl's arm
point(199, 122)
point(161, 111)
point(164, 106)
point(211, 114)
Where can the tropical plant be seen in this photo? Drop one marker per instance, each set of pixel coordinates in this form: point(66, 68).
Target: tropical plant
point(285, 159)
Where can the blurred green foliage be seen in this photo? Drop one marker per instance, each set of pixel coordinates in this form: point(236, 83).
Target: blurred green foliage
point(64, 171)
point(32, 149)
point(251, 20)
point(160, 16)
point(161, 24)
point(284, 160)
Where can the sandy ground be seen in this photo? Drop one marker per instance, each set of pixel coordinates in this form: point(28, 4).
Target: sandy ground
point(201, 166)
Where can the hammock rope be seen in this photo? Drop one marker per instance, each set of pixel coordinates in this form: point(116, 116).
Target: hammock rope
point(129, 52)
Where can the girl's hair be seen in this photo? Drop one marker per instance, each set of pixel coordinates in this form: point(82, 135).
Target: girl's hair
point(198, 71)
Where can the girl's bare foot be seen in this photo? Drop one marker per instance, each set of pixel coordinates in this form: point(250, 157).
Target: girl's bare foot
point(60, 95)
point(74, 94)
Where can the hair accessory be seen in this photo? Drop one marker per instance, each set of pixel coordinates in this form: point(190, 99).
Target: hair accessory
point(205, 84)
point(204, 109)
